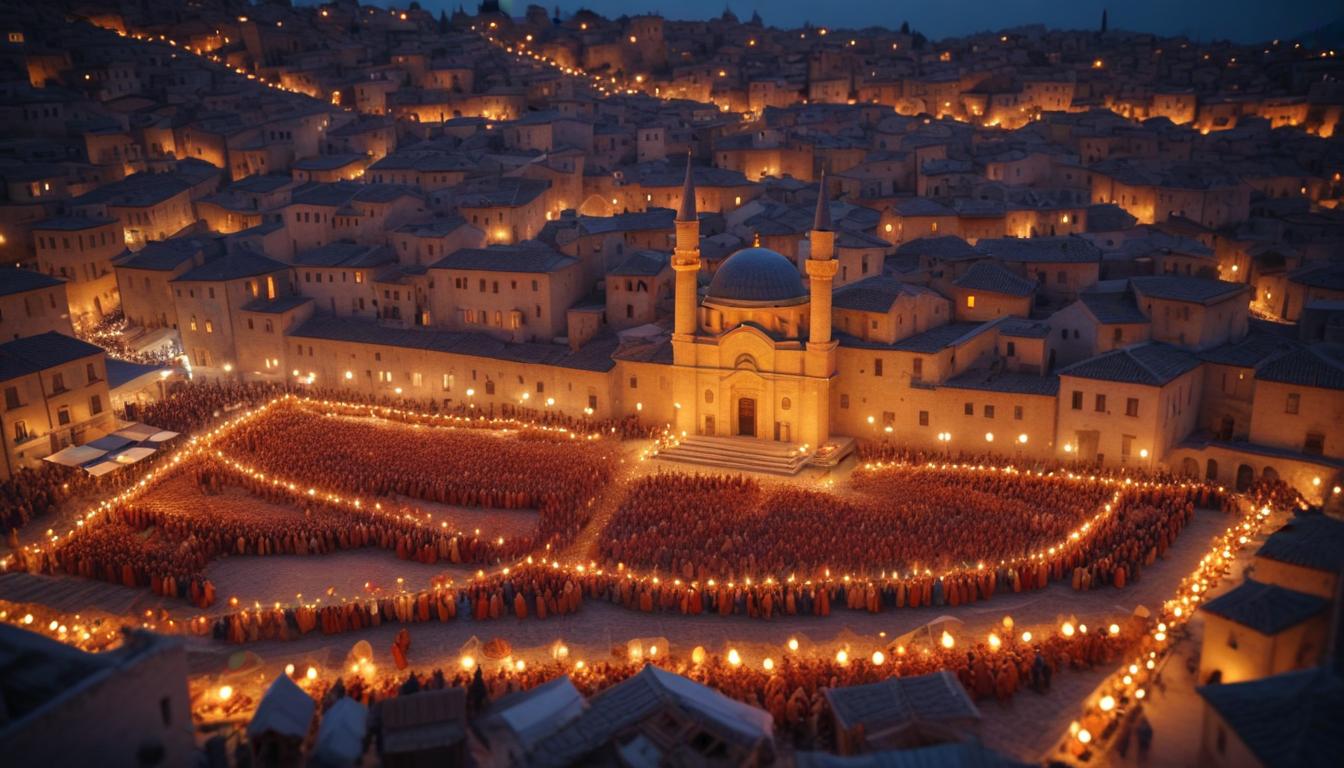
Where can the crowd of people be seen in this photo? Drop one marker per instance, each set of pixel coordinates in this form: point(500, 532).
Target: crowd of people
point(901, 518)
point(791, 690)
point(556, 474)
point(163, 542)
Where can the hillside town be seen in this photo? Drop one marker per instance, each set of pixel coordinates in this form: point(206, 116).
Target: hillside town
point(1121, 254)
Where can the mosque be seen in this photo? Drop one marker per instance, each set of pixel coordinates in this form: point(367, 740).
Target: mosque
point(755, 358)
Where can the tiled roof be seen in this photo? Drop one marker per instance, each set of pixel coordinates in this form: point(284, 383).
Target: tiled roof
point(232, 266)
point(940, 338)
point(872, 294)
point(1039, 250)
point(899, 701)
point(1009, 382)
point(1309, 540)
point(642, 696)
point(638, 221)
point(1266, 608)
point(1021, 328)
point(945, 248)
point(1327, 276)
point(122, 371)
point(20, 280)
point(525, 257)
point(167, 255)
point(1113, 308)
point(1251, 351)
point(71, 223)
point(276, 306)
point(1152, 364)
point(1287, 720)
point(342, 254)
point(993, 277)
point(1199, 290)
point(31, 354)
point(593, 356)
point(1320, 365)
point(642, 264)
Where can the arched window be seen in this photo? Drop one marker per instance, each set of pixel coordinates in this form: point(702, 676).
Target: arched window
point(489, 387)
point(785, 404)
point(745, 361)
point(709, 395)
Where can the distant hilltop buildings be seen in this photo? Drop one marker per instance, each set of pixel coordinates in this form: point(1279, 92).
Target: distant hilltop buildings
point(1108, 247)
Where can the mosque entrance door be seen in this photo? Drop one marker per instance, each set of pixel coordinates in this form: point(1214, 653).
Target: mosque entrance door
point(746, 417)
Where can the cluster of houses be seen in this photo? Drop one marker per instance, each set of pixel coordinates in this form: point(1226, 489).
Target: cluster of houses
point(1111, 248)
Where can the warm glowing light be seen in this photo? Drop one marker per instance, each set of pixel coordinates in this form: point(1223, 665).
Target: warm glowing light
point(468, 663)
point(989, 437)
point(768, 664)
point(1114, 629)
point(1084, 736)
point(1107, 703)
point(879, 658)
point(1067, 629)
point(225, 692)
point(947, 640)
point(793, 644)
point(842, 656)
point(734, 658)
point(312, 673)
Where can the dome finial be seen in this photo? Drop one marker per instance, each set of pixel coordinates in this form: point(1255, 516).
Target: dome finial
point(687, 212)
point(822, 221)
point(756, 240)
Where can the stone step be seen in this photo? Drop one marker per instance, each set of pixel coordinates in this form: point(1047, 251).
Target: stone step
point(744, 454)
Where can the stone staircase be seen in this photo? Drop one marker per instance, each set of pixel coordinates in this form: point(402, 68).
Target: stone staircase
point(738, 453)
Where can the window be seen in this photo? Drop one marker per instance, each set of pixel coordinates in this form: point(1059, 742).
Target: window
point(634, 382)
point(918, 372)
point(92, 371)
point(209, 326)
point(844, 401)
point(57, 383)
point(95, 405)
point(1314, 444)
point(1126, 446)
point(970, 301)
point(1294, 402)
point(968, 409)
point(785, 404)
point(1077, 400)
point(166, 710)
point(1012, 349)
point(989, 411)
point(448, 382)
point(12, 398)
point(1118, 335)
point(923, 418)
point(709, 395)
point(1132, 406)
point(1017, 413)
point(888, 419)
point(1100, 405)
point(877, 366)
point(20, 431)
point(63, 415)
point(489, 387)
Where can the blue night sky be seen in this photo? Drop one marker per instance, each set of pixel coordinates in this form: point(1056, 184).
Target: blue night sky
point(1240, 20)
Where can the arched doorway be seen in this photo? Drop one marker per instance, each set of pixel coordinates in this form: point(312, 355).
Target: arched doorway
point(1189, 467)
point(1245, 476)
point(1270, 473)
point(1211, 470)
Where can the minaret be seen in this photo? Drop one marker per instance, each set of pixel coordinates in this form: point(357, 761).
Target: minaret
point(686, 261)
point(821, 267)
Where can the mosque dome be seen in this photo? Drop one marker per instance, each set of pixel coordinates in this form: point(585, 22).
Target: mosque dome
point(756, 277)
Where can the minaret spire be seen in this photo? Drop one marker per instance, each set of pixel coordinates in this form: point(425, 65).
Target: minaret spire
point(822, 221)
point(687, 211)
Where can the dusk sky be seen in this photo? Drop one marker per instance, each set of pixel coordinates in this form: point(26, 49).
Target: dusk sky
point(1240, 20)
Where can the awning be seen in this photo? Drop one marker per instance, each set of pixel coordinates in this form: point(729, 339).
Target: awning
point(101, 468)
point(75, 455)
point(161, 436)
point(132, 455)
point(136, 432)
point(111, 443)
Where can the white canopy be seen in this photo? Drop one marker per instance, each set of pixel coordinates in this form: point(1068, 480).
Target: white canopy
point(101, 468)
point(132, 455)
point(285, 710)
point(161, 436)
point(544, 710)
point(340, 737)
point(75, 455)
point(136, 432)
